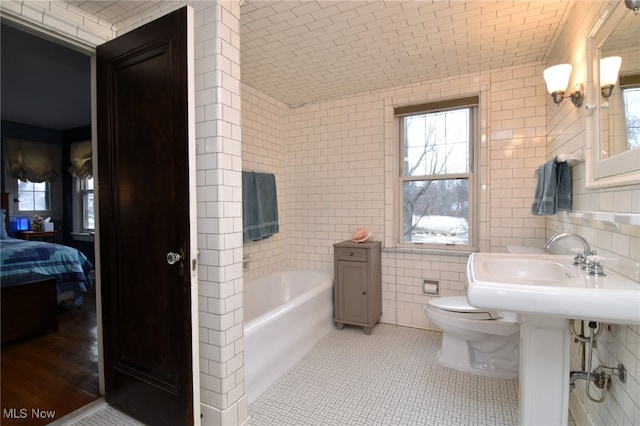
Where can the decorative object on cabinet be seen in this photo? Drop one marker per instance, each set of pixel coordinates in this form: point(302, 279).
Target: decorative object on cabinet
point(361, 235)
point(357, 284)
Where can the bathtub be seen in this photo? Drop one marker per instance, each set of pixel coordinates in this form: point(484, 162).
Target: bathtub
point(286, 314)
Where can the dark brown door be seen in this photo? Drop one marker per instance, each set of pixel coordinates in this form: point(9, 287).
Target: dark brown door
point(144, 216)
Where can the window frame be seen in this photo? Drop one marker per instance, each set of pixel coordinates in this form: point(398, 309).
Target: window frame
point(473, 104)
point(79, 201)
point(628, 83)
point(33, 212)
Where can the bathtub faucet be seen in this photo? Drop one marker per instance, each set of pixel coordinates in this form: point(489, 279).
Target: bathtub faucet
point(563, 235)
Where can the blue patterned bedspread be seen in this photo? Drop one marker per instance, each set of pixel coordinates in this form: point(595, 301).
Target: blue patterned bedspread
point(69, 265)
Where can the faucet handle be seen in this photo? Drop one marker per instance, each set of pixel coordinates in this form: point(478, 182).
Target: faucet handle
point(579, 256)
point(595, 265)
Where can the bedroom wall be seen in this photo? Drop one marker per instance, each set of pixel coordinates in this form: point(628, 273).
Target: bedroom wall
point(62, 209)
point(10, 129)
point(70, 136)
point(566, 133)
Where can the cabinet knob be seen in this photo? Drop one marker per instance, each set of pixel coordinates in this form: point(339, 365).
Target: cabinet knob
point(364, 293)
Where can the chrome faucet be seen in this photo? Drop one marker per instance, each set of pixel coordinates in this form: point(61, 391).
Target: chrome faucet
point(558, 237)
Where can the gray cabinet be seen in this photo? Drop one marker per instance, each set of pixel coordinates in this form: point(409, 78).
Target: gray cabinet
point(357, 291)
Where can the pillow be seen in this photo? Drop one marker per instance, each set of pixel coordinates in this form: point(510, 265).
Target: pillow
point(3, 233)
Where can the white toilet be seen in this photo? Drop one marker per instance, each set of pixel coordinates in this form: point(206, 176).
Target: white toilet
point(476, 340)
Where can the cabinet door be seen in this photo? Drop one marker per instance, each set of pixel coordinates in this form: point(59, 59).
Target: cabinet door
point(352, 292)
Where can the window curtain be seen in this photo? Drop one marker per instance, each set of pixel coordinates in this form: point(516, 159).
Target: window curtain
point(33, 161)
point(80, 156)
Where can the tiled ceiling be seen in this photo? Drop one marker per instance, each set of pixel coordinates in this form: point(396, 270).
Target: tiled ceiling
point(300, 51)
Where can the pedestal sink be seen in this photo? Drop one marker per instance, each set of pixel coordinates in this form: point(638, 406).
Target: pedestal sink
point(548, 291)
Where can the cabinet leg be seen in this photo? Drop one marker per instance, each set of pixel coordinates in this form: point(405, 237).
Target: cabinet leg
point(367, 330)
point(339, 325)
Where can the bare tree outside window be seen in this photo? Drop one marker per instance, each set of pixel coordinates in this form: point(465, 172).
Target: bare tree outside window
point(631, 97)
point(435, 177)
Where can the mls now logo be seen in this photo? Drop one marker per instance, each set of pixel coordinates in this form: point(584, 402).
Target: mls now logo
point(23, 413)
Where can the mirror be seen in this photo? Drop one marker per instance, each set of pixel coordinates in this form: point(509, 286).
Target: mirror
point(614, 134)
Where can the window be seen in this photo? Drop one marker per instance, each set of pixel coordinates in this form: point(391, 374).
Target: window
point(86, 190)
point(34, 197)
point(436, 182)
point(631, 98)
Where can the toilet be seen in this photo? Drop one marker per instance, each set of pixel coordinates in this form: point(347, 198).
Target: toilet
point(476, 340)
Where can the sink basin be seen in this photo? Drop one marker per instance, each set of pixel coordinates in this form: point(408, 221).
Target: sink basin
point(547, 291)
point(524, 271)
point(549, 285)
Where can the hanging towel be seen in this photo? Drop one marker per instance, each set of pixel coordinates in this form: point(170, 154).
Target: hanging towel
point(545, 201)
point(563, 173)
point(250, 208)
point(259, 206)
point(266, 188)
point(553, 190)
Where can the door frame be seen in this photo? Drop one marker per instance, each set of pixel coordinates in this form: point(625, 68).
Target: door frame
point(79, 45)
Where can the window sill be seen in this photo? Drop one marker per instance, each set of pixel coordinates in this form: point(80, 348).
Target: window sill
point(428, 251)
point(83, 236)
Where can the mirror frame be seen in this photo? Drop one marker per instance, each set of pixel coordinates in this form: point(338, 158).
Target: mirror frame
point(624, 168)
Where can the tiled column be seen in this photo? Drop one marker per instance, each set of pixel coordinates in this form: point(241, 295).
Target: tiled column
point(219, 181)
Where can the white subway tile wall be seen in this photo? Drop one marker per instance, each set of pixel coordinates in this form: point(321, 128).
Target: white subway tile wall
point(219, 200)
point(263, 150)
point(340, 176)
point(62, 18)
point(335, 163)
point(336, 151)
point(566, 133)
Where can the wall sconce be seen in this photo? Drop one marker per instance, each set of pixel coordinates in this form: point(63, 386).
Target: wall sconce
point(632, 5)
point(609, 68)
point(557, 79)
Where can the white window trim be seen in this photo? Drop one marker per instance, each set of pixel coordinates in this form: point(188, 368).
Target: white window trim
point(393, 197)
point(55, 197)
point(79, 230)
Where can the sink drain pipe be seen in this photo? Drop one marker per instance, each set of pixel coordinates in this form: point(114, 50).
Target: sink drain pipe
point(601, 375)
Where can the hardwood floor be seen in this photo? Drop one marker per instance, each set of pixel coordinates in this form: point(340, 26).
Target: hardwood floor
point(48, 376)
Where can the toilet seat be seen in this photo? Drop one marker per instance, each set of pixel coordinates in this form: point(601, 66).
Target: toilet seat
point(458, 307)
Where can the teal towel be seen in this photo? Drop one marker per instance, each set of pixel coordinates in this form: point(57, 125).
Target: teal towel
point(259, 206)
point(563, 172)
point(553, 190)
point(545, 201)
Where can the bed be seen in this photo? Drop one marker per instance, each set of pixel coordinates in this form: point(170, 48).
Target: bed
point(70, 267)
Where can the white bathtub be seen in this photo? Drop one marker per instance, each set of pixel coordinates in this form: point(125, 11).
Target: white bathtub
point(286, 314)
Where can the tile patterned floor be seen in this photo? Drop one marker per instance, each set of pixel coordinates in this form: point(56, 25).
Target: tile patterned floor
point(108, 416)
point(388, 378)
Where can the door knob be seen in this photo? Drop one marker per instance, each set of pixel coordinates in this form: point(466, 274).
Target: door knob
point(174, 257)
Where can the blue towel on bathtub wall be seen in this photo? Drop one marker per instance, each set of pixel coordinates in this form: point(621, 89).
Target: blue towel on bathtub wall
point(553, 189)
point(259, 206)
